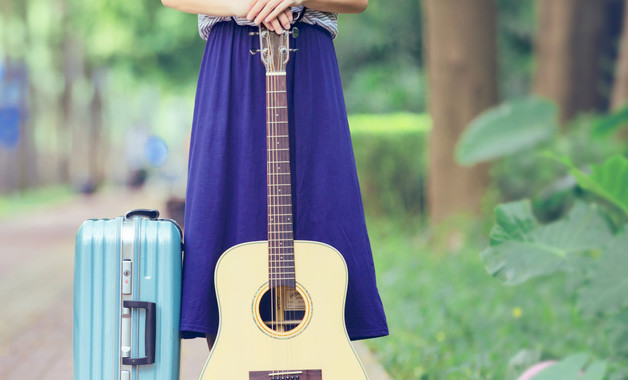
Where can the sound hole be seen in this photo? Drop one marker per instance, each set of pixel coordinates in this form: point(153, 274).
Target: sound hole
point(282, 309)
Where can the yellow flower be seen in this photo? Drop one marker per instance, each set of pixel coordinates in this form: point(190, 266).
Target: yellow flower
point(517, 312)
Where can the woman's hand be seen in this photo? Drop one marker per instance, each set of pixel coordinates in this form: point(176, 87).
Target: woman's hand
point(275, 14)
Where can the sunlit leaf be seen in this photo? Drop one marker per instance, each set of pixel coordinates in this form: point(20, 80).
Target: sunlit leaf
point(522, 248)
point(608, 289)
point(509, 128)
point(609, 180)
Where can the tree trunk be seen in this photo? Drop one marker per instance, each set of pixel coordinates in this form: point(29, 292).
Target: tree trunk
point(28, 153)
point(462, 71)
point(620, 89)
point(569, 50)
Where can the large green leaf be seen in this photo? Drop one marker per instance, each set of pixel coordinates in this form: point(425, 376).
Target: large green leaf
point(574, 368)
point(608, 289)
point(507, 129)
point(610, 123)
point(608, 180)
point(521, 248)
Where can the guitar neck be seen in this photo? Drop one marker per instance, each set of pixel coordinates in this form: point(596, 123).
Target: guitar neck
point(280, 221)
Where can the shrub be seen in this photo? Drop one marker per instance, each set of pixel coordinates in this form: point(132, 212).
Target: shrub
point(391, 159)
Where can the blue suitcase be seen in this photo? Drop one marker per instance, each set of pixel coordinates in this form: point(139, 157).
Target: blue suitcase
point(127, 298)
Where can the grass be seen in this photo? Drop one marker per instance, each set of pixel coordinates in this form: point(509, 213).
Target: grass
point(450, 320)
point(403, 122)
point(30, 200)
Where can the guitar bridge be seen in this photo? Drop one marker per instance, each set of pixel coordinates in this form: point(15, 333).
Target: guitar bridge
point(308, 374)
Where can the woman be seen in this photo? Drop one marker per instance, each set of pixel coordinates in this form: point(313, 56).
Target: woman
point(226, 195)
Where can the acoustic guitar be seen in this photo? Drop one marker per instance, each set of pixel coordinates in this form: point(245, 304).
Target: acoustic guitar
point(281, 302)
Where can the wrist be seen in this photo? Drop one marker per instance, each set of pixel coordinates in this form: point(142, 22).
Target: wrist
point(239, 8)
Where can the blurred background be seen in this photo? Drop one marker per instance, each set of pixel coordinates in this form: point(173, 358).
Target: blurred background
point(490, 144)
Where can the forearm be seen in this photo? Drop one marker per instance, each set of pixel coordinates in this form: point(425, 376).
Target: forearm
point(210, 7)
point(337, 6)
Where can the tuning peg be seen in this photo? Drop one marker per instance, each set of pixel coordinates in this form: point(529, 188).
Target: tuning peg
point(295, 32)
point(253, 33)
point(294, 50)
point(254, 51)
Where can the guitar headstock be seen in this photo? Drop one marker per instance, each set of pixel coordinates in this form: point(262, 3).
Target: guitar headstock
point(275, 49)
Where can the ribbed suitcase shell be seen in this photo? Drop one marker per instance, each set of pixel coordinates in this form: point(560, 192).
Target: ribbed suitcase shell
point(156, 248)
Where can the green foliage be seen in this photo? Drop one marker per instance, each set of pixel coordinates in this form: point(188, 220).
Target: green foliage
point(607, 181)
point(516, 36)
point(582, 242)
point(574, 367)
point(17, 203)
point(610, 123)
point(508, 129)
point(512, 136)
point(607, 290)
point(521, 248)
point(379, 53)
point(391, 155)
point(142, 37)
point(448, 320)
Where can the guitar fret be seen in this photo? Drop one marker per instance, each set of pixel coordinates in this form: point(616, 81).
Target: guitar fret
point(280, 218)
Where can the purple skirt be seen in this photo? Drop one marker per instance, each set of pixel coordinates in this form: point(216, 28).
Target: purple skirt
point(226, 193)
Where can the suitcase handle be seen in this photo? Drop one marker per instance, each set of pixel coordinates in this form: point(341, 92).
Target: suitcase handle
point(149, 335)
point(146, 213)
point(152, 215)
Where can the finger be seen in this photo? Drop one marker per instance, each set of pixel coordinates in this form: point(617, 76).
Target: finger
point(285, 22)
point(256, 7)
point(270, 7)
point(277, 26)
point(268, 26)
point(279, 9)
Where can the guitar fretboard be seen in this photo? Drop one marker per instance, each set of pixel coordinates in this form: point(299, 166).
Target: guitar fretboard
point(280, 221)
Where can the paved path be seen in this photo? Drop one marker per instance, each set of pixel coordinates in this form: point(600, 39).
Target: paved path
point(36, 274)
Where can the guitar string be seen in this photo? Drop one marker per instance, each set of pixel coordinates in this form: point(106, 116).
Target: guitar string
point(275, 201)
point(273, 155)
point(281, 131)
point(289, 250)
point(271, 207)
point(283, 156)
point(269, 204)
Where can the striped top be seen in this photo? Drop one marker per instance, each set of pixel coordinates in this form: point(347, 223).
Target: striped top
point(327, 20)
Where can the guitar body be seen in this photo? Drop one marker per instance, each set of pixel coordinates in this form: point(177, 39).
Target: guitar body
point(318, 346)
